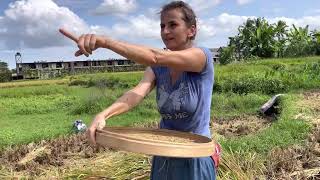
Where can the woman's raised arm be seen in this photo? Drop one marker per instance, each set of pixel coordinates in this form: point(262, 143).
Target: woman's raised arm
point(192, 59)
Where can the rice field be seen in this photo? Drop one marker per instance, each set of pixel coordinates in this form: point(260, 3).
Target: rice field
point(37, 139)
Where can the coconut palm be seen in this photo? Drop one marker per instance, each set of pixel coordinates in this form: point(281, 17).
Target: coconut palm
point(316, 41)
point(281, 36)
point(300, 41)
point(256, 38)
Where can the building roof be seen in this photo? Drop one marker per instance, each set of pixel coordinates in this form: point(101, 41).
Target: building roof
point(89, 60)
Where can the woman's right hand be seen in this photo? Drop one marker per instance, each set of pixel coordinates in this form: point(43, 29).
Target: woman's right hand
point(87, 43)
point(99, 123)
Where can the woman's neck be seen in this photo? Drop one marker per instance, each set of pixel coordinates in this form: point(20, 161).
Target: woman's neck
point(186, 46)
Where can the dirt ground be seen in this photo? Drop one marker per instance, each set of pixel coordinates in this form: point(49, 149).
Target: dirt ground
point(239, 126)
point(33, 157)
point(38, 160)
point(296, 162)
point(300, 161)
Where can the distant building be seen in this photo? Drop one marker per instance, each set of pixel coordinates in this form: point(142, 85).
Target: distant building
point(52, 69)
point(46, 70)
point(216, 54)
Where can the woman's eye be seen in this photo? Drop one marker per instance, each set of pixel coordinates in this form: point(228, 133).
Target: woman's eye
point(173, 25)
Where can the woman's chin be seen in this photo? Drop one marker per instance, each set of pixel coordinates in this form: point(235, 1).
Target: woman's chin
point(171, 47)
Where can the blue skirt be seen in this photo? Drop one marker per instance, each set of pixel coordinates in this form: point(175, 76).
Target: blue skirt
point(168, 168)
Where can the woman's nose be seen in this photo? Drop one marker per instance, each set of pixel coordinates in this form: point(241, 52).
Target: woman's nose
point(165, 30)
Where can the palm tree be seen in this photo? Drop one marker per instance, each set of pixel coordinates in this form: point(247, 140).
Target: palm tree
point(316, 36)
point(281, 35)
point(257, 38)
point(299, 41)
point(316, 41)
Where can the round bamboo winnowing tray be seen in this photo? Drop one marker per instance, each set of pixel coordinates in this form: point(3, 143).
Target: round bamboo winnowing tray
point(160, 142)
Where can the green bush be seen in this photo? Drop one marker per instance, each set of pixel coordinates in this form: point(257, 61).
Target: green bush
point(255, 84)
point(78, 82)
point(110, 82)
point(89, 105)
point(279, 67)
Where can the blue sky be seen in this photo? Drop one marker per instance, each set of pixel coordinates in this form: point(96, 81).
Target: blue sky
point(31, 26)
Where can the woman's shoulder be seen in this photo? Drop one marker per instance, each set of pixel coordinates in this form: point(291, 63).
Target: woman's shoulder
point(206, 51)
point(209, 59)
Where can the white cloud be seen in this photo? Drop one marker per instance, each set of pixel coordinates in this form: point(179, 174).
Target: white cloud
point(205, 31)
point(316, 11)
point(135, 29)
point(115, 7)
point(243, 2)
point(143, 27)
point(138, 29)
point(73, 3)
point(312, 21)
point(226, 25)
point(202, 5)
point(35, 23)
point(312, 12)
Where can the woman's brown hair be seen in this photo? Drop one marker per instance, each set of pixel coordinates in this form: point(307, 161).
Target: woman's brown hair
point(189, 15)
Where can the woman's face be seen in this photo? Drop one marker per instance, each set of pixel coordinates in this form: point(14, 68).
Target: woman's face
point(174, 31)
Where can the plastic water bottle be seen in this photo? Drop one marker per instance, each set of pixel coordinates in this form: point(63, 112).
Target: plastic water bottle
point(79, 126)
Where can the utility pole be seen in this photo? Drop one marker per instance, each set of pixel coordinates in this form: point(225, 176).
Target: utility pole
point(18, 59)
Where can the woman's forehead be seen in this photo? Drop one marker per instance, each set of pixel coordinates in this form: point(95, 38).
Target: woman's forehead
point(171, 15)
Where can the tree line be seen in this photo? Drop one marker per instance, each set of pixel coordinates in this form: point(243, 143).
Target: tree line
point(257, 38)
point(5, 73)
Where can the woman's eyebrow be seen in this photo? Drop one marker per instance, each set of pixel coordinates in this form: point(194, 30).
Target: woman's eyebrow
point(170, 22)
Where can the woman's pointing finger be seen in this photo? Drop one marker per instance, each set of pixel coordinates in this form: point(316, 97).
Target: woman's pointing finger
point(69, 35)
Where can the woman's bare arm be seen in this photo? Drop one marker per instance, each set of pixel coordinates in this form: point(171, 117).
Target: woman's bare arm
point(133, 97)
point(192, 59)
point(126, 102)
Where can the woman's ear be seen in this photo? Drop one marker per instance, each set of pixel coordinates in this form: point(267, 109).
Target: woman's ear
point(192, 32)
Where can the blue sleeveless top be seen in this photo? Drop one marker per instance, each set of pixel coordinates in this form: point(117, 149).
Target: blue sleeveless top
point(185, 105)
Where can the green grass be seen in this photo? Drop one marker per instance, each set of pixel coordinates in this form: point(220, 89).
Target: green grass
point(283, 132)
point(25, 92)
point(269, 76)
point(31, 111)
point(34, 113)
point(226, 105)
point(34, 110)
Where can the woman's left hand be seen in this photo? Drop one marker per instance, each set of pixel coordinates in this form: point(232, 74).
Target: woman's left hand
point(87, 43)
point(98, 123)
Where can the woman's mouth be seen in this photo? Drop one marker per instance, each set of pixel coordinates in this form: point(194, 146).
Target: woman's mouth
point(169, 39)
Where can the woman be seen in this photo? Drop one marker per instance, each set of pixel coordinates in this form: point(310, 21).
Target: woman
point(183, 77)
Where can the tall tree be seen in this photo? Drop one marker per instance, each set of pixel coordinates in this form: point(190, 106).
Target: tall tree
point(281, 34)
point(5, 73)
point(300, 42)
point(316, 41)
point(255, 38)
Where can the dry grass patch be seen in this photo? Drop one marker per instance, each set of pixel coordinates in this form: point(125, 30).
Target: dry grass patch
point(33, 83)
point(296, 162)
point(239, 126)
point(240, 166)
point(300, 161)
point(71, 157)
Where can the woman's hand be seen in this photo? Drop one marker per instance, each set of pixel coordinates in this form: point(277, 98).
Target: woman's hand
point(87, 43)
point(98, 123)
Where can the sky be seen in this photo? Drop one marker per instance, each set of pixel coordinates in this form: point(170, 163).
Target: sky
point(31, 26)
